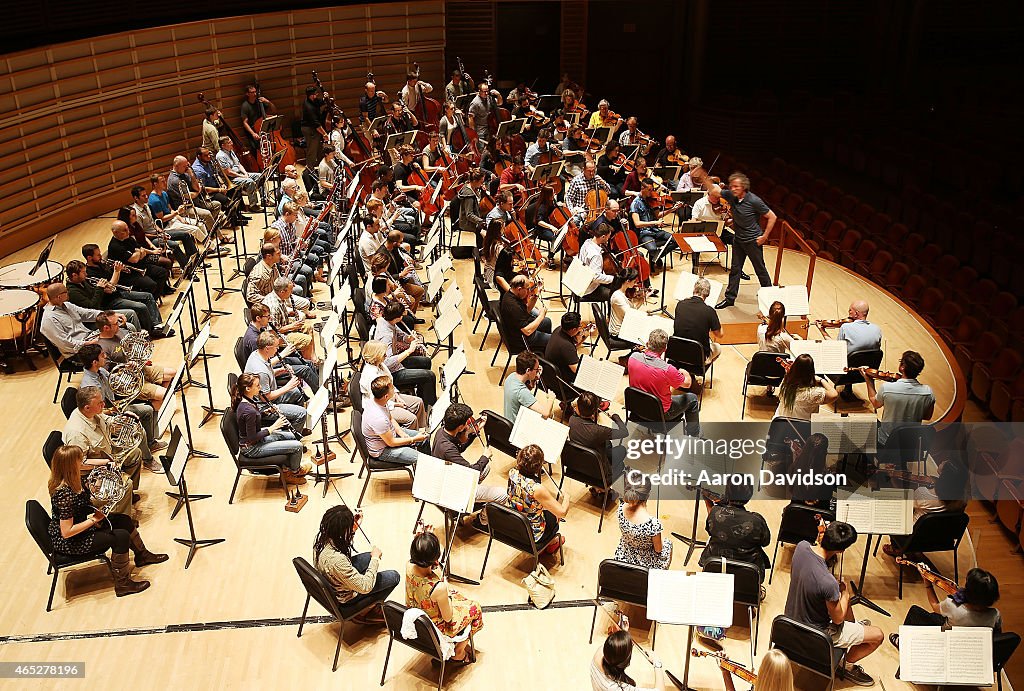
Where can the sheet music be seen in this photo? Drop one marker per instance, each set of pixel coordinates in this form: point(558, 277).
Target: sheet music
point(456, 365)
point(885, 512)
point(793, 297)
point(700, 243)
point(329, 331)
point(445, 261)
point(166, 413)
point(684, 288)
point(180, 457)
point(829, 356)
point(317, 407)
point(446, 322)
point(700, 599)
point(451, 298)
point(578, 278)
point(637, 325)
point(961, 655)
point(199, 343)
point(847, 433)
point(450, 485)
point(602, 377)
point(340, 300)
point(530, 427)
point(437, 410)
point(428, 249)
point(327, 368)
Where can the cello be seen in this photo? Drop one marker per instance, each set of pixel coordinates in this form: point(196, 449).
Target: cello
point(245, 157)
point(626, 243)
point(277, 142)
point(428, 110)
point(560, 216)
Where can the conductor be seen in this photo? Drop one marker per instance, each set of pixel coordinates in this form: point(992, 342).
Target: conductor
point(747, 210)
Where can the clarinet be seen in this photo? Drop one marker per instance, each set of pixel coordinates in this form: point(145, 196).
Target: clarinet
point(276, 411)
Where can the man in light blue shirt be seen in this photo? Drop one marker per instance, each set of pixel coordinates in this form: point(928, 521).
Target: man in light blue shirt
point(904, 402)
point(860, 334)
point(520, 386)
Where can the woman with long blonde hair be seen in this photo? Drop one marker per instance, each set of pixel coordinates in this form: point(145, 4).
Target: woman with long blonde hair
point(76, 527)
point(773, 674)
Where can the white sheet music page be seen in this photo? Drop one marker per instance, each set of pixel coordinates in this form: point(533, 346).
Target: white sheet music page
point(969, 660)
point(701, 599)
point(684, 288)
point(451, 298)
point(330, 329)
point(445, 323)
point(449, 485)
point(445, 260)
point(853, 433)
point(602, 377)
point(923, 654)
point(317, 407)
point(857, 512)
point(530, 427)
point(455, 366)
point(829, 356)
point(637, 325)
point(893, 512)
point(437, 411)
point(793, 297)
point(700, 243)
point(327, 369)
point(578, 278)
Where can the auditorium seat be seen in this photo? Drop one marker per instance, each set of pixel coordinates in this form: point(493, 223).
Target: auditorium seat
point(964, 331)
point(807, 213)
point(776, 197)
point(895, 235)
point(948, 315)
point(862, 215)
point(912, 244)
point(818, 225)
point(847, 204)
point(833, 236)
point(1011, 327)
point(791, 206)
point(983, 349)
point(847, 245)
point(878, 224)
point(980, 294)
point(1004, 368)
point(895, 278)
point(1005, 397)
point(912, 289)
point(941, 269)
point(818, 191)
point(876, 267)
point(861, 255)
point(834, 199)
point(930, 302)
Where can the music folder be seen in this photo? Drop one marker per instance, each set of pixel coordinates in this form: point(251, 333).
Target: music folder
point(599, 376)
point(445, 484)
point(578, 278)
point(530, 427)
point(829, 356)
point(699, 599)
point(794, 298)
point(961, 655)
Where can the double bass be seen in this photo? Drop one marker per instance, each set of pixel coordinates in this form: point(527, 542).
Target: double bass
point(463, 139)
point(428, 110)
point(245, 157)
point(277, 142)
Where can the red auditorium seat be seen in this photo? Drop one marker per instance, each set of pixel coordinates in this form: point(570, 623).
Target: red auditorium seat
point(847, 205)
point(942, 268)
point(804, 180)
point(980, 294)
point(948, 316)
point(764, 186)
point(911, 245)
point(879, 225)
point(960, 283)
point(1009, 507)
point(862, 215)
point(791, 206)
point(819, 224)
point(847, 244)
point(895, 278)
point(807, 213)
point(1003, 303)
point(928, 254)
point(818, 191)
point(834, 199)
point(862, 254)
point(777, 196)
point(930, 302)
point(895, 235)
point(964, 331)
point(1005, 397)
point(984, 349)
point(876, 267)
point(912, 289)
point(833, 236)
point(1004, 368)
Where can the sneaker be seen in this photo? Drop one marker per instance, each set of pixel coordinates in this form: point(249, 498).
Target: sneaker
point(158, 446)
point(478, 524)
point(857, 675)
point(710, 635)
point(155, 466)
point(304, 468)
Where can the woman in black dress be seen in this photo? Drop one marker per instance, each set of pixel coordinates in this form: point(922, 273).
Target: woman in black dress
point(78, 528)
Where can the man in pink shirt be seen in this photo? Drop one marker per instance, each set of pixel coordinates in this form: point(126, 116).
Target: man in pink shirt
point(649, 372)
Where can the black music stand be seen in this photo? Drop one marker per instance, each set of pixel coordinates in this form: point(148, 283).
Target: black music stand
point(179, 498)
point(175, 465)
point(319, 404)
point(691, 541)
point(42, 261)
point(191, 272)
point(452, 519)
point(184, 409)
point(660, 256)
point(197, 353)
point(858, 597)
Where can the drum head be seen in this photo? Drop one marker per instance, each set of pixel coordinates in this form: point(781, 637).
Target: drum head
point(16, 301)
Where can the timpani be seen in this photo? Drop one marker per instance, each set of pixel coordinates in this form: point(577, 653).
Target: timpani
point(17, 276)
point(19, 310)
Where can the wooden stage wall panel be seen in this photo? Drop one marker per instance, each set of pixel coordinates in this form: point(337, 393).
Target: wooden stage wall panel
point(82, 122)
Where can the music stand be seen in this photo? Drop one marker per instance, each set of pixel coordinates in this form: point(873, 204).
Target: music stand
point(668, 173)
point(691, 541)
point(688, 197)
point(509, 128)
point(174, 465)
point(44, 255)
point(602, 134)
point(462, 102)
point(547, 171)
point(452, 518)
point(315, 414)
point(197, 351)
point(399, 138)
point(660, 256)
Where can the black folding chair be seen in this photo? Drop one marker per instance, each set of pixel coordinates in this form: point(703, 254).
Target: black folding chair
point(509, 527)
point(319, 589)
point(764, 369)
point(612, 343)
point(426, 640)
point(799, 522)
point(622, 582)
point(37, 520)
point(587, 466)
point(807, 647)
point(941, 531)
point(498, 431)
point(69, 401)
point(66, 366)
point(54, 440)
point(370, 464)
point(1003, 646)
point(689, 355)
point(746, 592)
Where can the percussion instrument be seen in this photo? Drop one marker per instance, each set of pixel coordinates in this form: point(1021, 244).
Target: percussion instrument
point(18, 314)
point(17, 276)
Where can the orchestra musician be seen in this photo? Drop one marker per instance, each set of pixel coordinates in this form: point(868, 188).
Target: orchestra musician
point(253, 109)
point(87, 428)
point(256, 439)
point(411, 90)
point(402, 217)
point(469, 218)
point(772, 336)
point(802, 392)
point(686, 181)
point(408, 411)
point(386, 440)
point(563, 348)
point(111, 333)
point(858, 332)
point(312, 124)
point(576, 193)
point(518, 317)
point(155, 256)
point(747, 209)
point(534, 118)
point(214, 188)
point(633, 135)
point(585, 430)
point(408, 365)
point(288, 398)
point(543, 145)
point(604, 117)
point(818, 598)
point(430, 157)
point(609, 664)
point(537, 213)
point(106, 295)
point(400, 119)
point(403, 269)
point(629, 294)
point(513, 179)
point(182, 179)
point(448, 123)
point(710, 207)
point(480, 109)
point(236, 172)
point(649, 225)
point(302, 273)
point(457, 87)
point(175, 219)
point(670, 155)
point(210, 135)
point(521, 388)
point(262, 276)
point(695, 320)
point(592, 256)
point(178, 240)
point(327, 171)
point(303, 369)
point(528, 496)
point(403, 168)
point(649, 372)
point(904, 402)
point(291, 317)
point(147, 277)
point(500, 216)
point(633, 183)
point(371, 105)
point(774, 673)
point(611, 172)
point(971, 605)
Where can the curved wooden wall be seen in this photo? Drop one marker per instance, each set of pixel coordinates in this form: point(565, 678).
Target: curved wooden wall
point(82, 122)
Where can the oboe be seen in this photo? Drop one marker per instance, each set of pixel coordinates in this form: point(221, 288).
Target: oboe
point(276, 411)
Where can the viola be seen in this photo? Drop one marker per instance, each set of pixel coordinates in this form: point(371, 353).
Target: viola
point(245, 157)
point(625, 241)
point(677, 158)
point(947, 585)
point(733, 668)
point(785, 362)
point(874, 373)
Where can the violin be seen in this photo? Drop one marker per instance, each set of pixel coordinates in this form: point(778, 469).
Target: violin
point(785, 362)
point(907, 476)
point(733, 668)
point(874, 373)
point(677, 157)
point(947, 585)
point(832, 323)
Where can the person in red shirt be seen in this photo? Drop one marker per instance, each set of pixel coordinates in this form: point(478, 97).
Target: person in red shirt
point(648, 371)
point(514, 180)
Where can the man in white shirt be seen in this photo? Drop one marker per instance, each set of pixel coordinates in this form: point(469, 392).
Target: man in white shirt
point(370, 240)
point(591, 254)
point(236, 172)
point(63, 323)
point(412, 89)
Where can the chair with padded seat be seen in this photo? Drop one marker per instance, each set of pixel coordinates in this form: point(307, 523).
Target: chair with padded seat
point(807, 647)
point(54, 440)
point(37, 520)
point(509, 527)
point(940, 531)
point(746, 592)
point(65, 366)
point(69, 402)
point(612, 343)
point(1003, 646)
point(799, 522)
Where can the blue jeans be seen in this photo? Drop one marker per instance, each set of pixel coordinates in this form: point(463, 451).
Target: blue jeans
point(142, 304)
point(687, 406)
point(417, 372)
point(654, 239)
point(296, 414)
point(406, 455)
point(382, 587)
point(277, 443)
